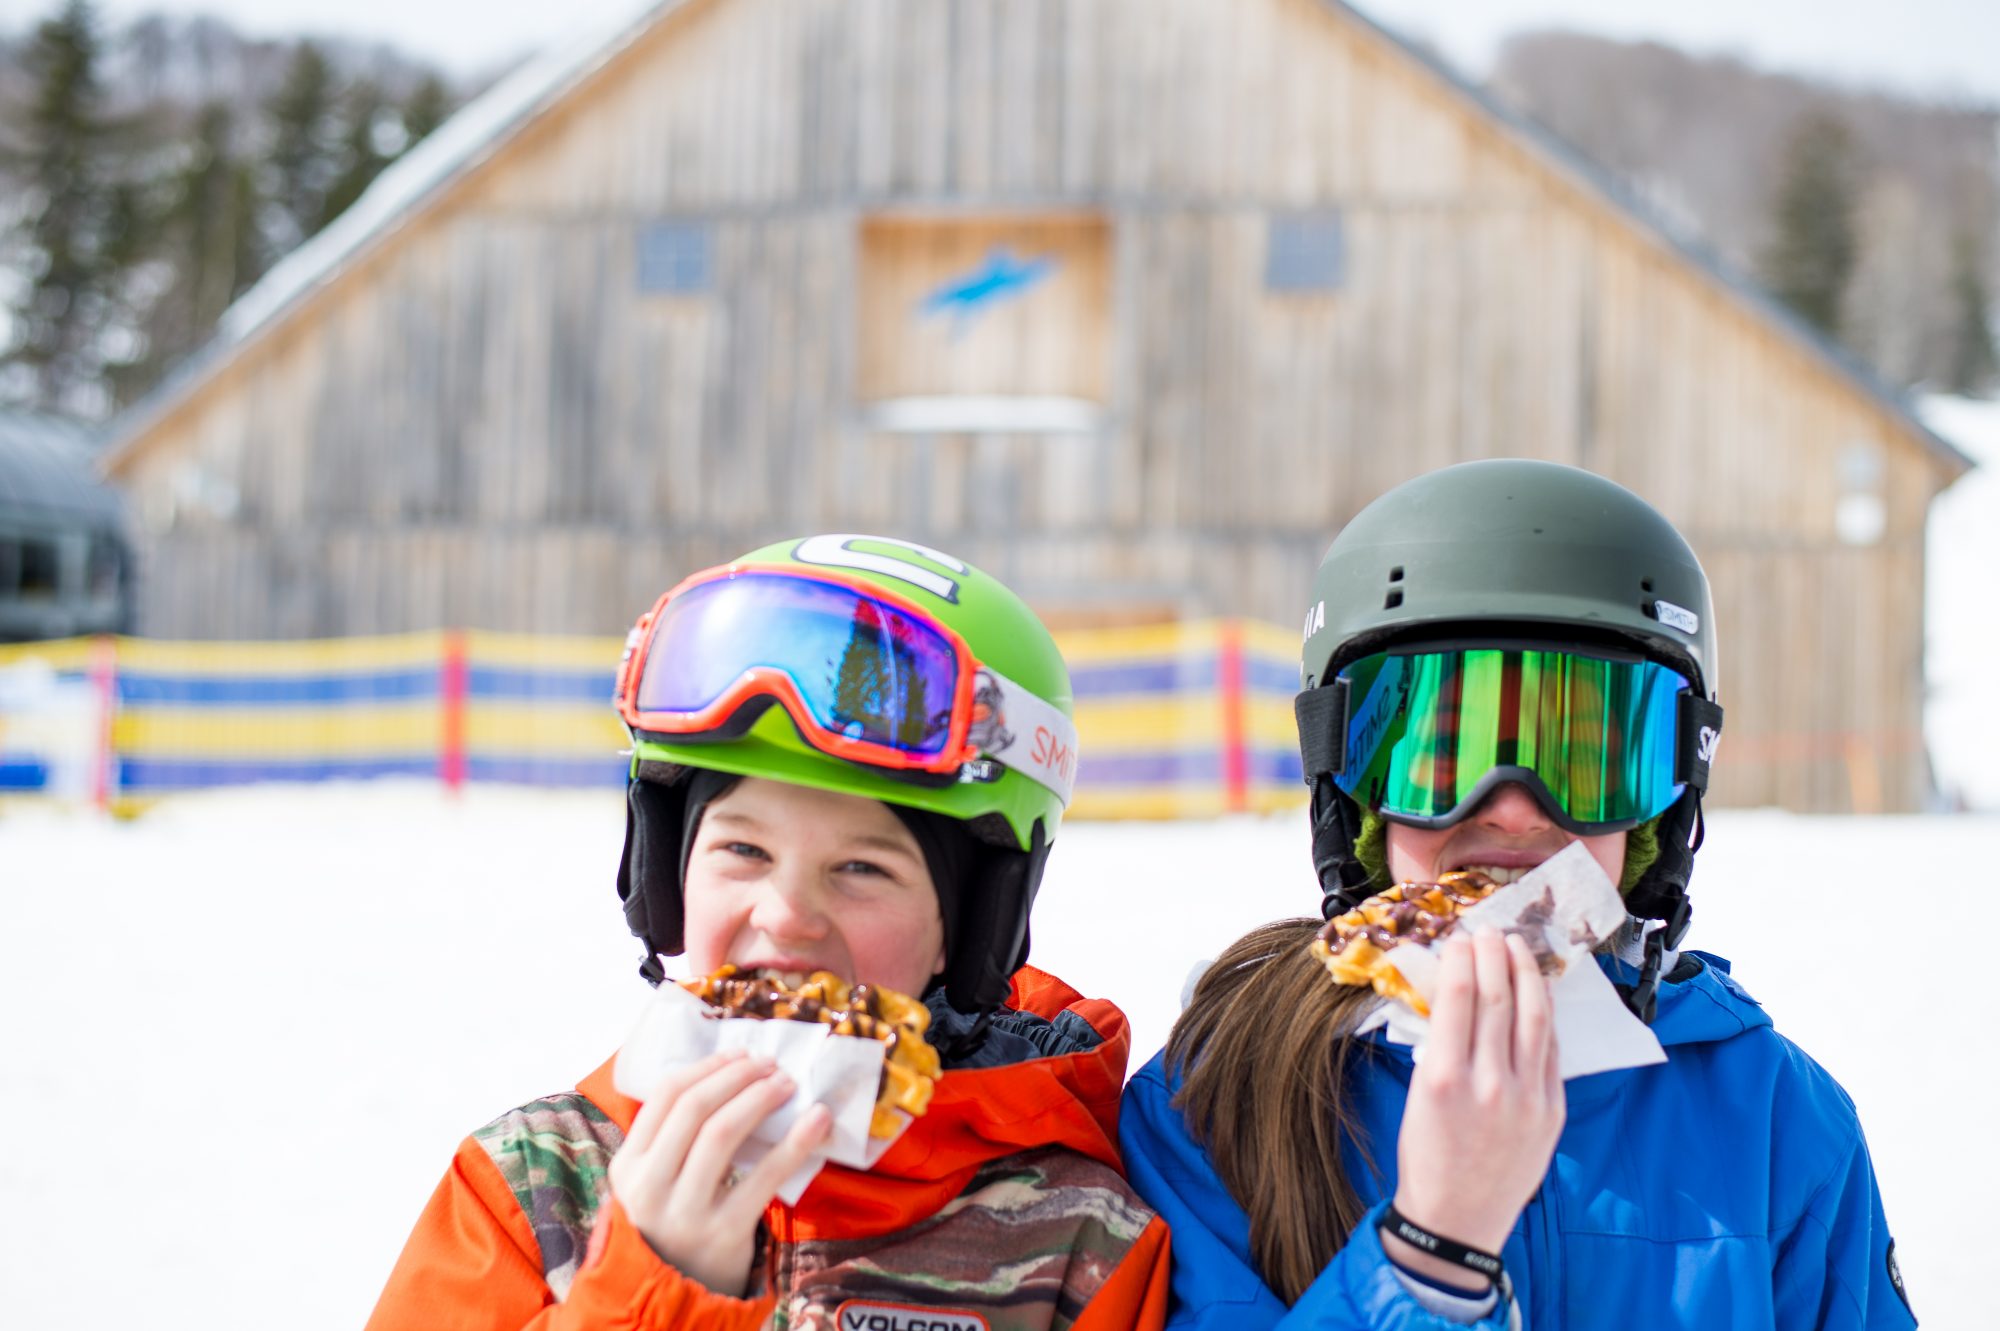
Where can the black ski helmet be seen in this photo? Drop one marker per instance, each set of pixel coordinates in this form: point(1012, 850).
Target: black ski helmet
point(1528, 550)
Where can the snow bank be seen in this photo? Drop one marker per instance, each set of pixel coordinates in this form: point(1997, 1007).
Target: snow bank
point(1962, 609)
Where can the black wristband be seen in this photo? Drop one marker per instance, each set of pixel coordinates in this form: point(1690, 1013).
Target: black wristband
point(1450, 1250)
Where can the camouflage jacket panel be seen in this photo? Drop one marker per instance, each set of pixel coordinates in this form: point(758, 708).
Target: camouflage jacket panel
point(1023, 1248)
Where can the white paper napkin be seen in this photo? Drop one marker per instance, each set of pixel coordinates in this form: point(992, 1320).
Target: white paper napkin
point(841, 1072)
point(1565, 906)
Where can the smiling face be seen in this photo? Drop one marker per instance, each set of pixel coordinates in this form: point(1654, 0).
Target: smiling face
point(793, 879)
point(1505, 837)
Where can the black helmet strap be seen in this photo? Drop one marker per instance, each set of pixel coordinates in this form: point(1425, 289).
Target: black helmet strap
point(1662, 894)
point(1336, 820)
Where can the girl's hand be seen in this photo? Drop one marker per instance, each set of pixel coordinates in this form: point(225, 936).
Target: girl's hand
point(1486, 1103)
point(672, 1175)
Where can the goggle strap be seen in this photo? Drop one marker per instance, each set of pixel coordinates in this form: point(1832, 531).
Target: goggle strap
point(1700, 729)
point(1032, 737)
point(1322, 720)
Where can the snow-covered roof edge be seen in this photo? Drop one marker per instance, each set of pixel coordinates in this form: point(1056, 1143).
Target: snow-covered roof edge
point(45, 468)
point(470, 137)
point(1570, 162)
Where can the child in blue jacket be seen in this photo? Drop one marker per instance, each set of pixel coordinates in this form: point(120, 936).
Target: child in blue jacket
point(1502, 658)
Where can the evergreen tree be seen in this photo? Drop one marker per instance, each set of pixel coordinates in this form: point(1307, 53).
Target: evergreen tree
point(1812, 254)
point(1973, 357)
point(207, 236)
point(428, 105)
point(370, 139)
point(80, 229)
point(878, 691)
point(302, 160)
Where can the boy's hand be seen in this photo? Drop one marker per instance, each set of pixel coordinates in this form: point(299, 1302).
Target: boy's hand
point(1486, 1104)
point(672, 1175)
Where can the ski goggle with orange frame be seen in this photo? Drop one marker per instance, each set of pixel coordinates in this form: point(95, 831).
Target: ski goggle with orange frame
point(1602, 741)
point(864, 675)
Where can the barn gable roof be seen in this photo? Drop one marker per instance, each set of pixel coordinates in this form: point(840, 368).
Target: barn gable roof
point(1568, 162)
point(468, 139)
point(486, 125)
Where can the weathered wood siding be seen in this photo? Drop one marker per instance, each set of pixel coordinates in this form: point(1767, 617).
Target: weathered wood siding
point(486, 422)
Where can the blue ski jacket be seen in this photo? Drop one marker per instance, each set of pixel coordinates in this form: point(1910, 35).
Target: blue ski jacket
point(1726, 1187)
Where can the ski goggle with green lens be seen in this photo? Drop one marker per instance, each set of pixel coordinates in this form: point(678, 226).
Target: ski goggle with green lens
point(1602, 742)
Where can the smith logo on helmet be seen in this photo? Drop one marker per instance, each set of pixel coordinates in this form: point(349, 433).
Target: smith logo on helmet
point(1051, 754)
point(1674, 617)
point(857, 1316)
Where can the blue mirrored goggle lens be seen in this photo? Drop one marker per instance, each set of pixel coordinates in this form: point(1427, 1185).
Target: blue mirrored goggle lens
point(1425, 728)
point(865, 669)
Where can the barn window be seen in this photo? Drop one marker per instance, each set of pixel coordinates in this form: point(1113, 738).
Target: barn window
point(41, 574)
point(984, 324)
point(674, 259)
point(1305, 253)
point(1859, 516)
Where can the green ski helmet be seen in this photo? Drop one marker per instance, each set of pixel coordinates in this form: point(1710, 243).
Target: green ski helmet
point(1520, 551)
point(1010, 797)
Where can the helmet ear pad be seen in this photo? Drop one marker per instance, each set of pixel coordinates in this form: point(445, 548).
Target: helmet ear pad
point(1663, 887)
point(1344, 881)
point(649, 871)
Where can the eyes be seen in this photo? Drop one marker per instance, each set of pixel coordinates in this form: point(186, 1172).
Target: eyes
point(752, 853)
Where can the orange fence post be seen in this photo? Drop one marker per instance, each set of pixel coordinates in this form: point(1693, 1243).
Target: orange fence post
point(1229, 684)
point(104, 684)
point(451, 704)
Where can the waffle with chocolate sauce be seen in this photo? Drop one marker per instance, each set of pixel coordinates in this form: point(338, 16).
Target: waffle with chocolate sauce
point(1355, 947)
point(910, 1067)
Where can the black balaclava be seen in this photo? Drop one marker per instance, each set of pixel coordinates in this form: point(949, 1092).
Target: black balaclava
point(950, 853)
point(704, 788)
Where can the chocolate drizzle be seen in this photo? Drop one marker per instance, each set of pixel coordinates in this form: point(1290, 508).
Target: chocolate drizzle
point(823, 998)
point(1408, 912)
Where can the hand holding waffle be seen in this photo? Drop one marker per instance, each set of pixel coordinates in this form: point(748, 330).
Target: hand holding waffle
point(910, 1067)
point(675, 1175)
point(871, 1087)
point(1489, 1085)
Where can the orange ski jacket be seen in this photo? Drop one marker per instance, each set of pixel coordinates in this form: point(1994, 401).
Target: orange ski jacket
point(1003, 1208)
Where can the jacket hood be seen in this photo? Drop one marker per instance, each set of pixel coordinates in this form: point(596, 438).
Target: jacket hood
point(977, 1116)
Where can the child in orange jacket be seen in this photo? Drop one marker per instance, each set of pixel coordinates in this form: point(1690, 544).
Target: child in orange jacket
point(849, 754)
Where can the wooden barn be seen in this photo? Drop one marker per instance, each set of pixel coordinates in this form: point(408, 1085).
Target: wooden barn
point(1133, 302)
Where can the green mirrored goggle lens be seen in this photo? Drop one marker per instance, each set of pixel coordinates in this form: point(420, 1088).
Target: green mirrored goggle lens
point(1425, 729)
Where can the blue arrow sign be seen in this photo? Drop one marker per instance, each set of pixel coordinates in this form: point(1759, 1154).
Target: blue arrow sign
point(999, 277)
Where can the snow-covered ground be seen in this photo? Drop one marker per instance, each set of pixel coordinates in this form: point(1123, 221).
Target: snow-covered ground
point(1962, 608)
point(243, 1034)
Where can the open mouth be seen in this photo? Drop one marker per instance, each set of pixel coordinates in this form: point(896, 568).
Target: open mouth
point(789, 974)
point(1502, 874)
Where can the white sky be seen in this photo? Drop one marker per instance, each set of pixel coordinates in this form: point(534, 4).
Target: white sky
point(1933, 47)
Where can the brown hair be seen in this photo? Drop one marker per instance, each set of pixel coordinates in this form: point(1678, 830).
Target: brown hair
point(1262, 1049)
